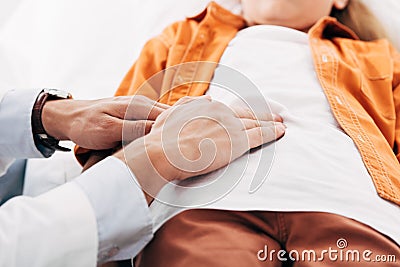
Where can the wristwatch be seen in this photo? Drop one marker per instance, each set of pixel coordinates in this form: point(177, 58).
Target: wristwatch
point(45, 143)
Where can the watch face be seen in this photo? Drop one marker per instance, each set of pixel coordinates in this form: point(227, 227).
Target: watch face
point(57, 93)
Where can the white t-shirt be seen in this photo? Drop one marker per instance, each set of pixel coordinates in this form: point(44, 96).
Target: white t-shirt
point(314, 167)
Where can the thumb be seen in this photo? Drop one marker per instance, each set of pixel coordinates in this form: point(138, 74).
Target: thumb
point(135, 129)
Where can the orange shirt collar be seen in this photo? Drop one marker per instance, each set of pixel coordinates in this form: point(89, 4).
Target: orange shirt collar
point(328, 27)
point(217, 12)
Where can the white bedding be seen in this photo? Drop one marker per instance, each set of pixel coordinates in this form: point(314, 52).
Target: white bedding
point(87, 46)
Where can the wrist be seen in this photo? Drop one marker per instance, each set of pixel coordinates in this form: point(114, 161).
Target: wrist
point(55, 119)
point(143, 161)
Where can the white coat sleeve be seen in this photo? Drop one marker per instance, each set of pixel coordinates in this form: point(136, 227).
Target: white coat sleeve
point(16, 139)
point(57, 228)
point(100, 216)
point(124, 222)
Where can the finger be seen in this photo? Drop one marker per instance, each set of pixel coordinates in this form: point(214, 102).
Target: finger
point(261, 135)
point(188, 99)
point(161, 105)
point(133, 130)
point(148, 125)
point(154, 112)
point(276, 118)
point(247, 113)
point(143, 111)
point(249, 123)
point(244, 113)
point(135, 107)
point(149, 102)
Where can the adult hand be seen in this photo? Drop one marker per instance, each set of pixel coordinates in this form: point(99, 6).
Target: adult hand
point(196, 137)
point(98, 124)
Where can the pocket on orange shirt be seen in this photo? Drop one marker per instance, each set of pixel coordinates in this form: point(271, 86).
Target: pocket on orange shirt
point(376, 82)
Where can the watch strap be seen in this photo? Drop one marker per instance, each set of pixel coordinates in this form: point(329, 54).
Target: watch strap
point(45, 143)
point(37, 125)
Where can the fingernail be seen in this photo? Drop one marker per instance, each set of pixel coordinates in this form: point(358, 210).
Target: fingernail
point(277, 118)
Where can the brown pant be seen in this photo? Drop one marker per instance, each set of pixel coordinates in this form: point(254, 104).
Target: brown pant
point(213, 238)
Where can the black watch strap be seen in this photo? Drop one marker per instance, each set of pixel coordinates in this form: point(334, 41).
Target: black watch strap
point(45, 143)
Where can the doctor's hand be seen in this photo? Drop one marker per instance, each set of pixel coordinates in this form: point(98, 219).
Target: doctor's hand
point(194, 137)
point(97, 124)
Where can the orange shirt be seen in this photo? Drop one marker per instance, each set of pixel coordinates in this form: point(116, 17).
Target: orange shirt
point(361, 81)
